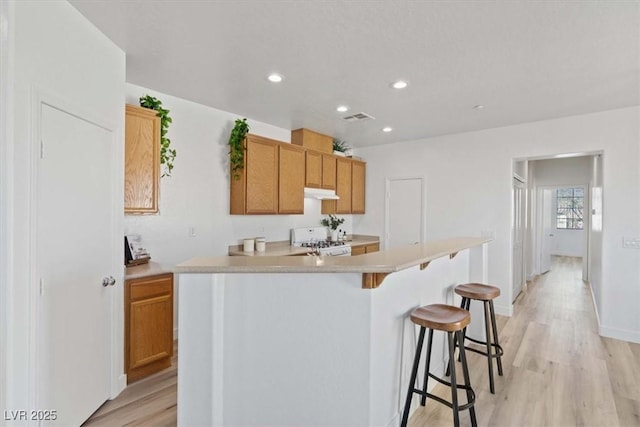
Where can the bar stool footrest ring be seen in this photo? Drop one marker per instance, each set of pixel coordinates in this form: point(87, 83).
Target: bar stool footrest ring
point(499, 352)
point(446, 402)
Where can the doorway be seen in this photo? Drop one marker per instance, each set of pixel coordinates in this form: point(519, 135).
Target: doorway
point(404, 211)
point(518, 228)
point(550, 231)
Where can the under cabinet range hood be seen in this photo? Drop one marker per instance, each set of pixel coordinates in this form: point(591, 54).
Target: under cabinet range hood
point(320, 194)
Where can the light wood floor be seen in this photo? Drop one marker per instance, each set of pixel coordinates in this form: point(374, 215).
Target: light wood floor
point(149, 402)
point(557, 370)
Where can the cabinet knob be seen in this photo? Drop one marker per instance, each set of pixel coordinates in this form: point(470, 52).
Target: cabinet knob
point(108, 281)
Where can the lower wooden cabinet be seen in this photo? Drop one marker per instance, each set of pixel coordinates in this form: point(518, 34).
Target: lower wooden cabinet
point(148, 325)
point(365, 249)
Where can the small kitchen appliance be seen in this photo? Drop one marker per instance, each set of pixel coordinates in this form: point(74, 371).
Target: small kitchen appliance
point(316, 239)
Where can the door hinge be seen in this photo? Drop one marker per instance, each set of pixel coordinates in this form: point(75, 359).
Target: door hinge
point(41, 287)
point(42, 149)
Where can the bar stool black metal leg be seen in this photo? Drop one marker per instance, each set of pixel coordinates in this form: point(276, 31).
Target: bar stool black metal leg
point(414, 374)
point(487, 321)
point(423, 400)
point(467, 381)
point(495, 336)
point(454, 387)
point(465, 302)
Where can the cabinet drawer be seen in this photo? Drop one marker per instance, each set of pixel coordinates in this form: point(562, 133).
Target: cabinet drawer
point(151, 286)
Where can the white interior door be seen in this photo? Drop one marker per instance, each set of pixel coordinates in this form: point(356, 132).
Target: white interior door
point(518, 237)
point(547, 227)
point(404, 206)
point(75, 251)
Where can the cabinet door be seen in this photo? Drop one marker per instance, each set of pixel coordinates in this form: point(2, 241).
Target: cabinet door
point(262, 176)
point(343, 186)
point(358, 250)
point(358, 172)
point(313, 176)
point(291, 179)
point(375, 247)
point(148, 325)
point(328, 172)
point(151, 324)
point(141, 160)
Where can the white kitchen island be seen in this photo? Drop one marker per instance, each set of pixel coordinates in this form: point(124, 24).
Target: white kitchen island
point(311, 341)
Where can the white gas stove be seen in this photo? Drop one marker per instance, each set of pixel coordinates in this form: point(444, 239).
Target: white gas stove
point(316, 239)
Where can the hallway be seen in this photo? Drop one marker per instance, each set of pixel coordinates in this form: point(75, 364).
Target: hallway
point(557, 370)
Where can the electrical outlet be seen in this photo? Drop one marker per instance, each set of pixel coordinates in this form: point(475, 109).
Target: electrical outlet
point(631, 242)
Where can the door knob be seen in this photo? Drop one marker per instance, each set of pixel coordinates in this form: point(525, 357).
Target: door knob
point(108, 281)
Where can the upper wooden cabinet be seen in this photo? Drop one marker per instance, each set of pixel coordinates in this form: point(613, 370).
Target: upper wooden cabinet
point(313, 174)
point(256, 189)
point(275, 174)
point(141, 160)
point(328, 172)
point(343, 189)
point(358, 173)
point(343, 186)
point(291, 179)
point(350, 186)
point(312, 140)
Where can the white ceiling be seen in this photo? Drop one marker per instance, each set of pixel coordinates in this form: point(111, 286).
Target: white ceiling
point(523, 60)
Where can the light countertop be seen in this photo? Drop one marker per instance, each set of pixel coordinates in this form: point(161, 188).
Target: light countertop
point(387, 261)
point(145, 270)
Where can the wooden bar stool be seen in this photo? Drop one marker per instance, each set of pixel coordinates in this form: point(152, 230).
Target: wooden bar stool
point(451, 320)
point(486, 294)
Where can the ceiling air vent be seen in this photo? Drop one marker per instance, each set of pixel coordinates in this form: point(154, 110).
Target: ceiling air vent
point(358, 117)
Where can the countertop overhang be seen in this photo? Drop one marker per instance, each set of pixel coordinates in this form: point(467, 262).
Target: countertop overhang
point(374, 266)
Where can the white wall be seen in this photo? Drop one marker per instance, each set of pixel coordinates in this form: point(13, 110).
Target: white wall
point(61, 53)
point(197, 193)
point(468, 180)
point(569, 172)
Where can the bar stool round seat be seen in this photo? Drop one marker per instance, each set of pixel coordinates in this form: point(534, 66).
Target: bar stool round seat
point(453, 321)
point(493, 350)
point(441, 317)
point(478, 291)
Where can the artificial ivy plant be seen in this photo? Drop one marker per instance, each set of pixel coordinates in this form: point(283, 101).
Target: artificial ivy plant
point(236, 146)
point(167, 154)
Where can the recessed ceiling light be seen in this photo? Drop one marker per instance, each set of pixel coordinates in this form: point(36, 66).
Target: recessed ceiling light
point(400, 84)
point(478, 107)
point(387, 129)
point(275, 78)
point(342, 108)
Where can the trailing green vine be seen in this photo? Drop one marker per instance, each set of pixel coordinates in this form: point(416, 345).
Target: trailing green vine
point(167, 154)
point(236, 146)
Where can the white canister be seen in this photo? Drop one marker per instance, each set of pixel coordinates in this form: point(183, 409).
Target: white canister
point(248, 245)
point(261, 244)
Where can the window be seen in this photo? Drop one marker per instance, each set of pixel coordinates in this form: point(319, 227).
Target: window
point(570, 208)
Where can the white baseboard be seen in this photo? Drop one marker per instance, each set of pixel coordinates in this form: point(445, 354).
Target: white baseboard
point(120, 385)
point(573, 255)
point(620, 334)
point(503, 310)
point(595, 306)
